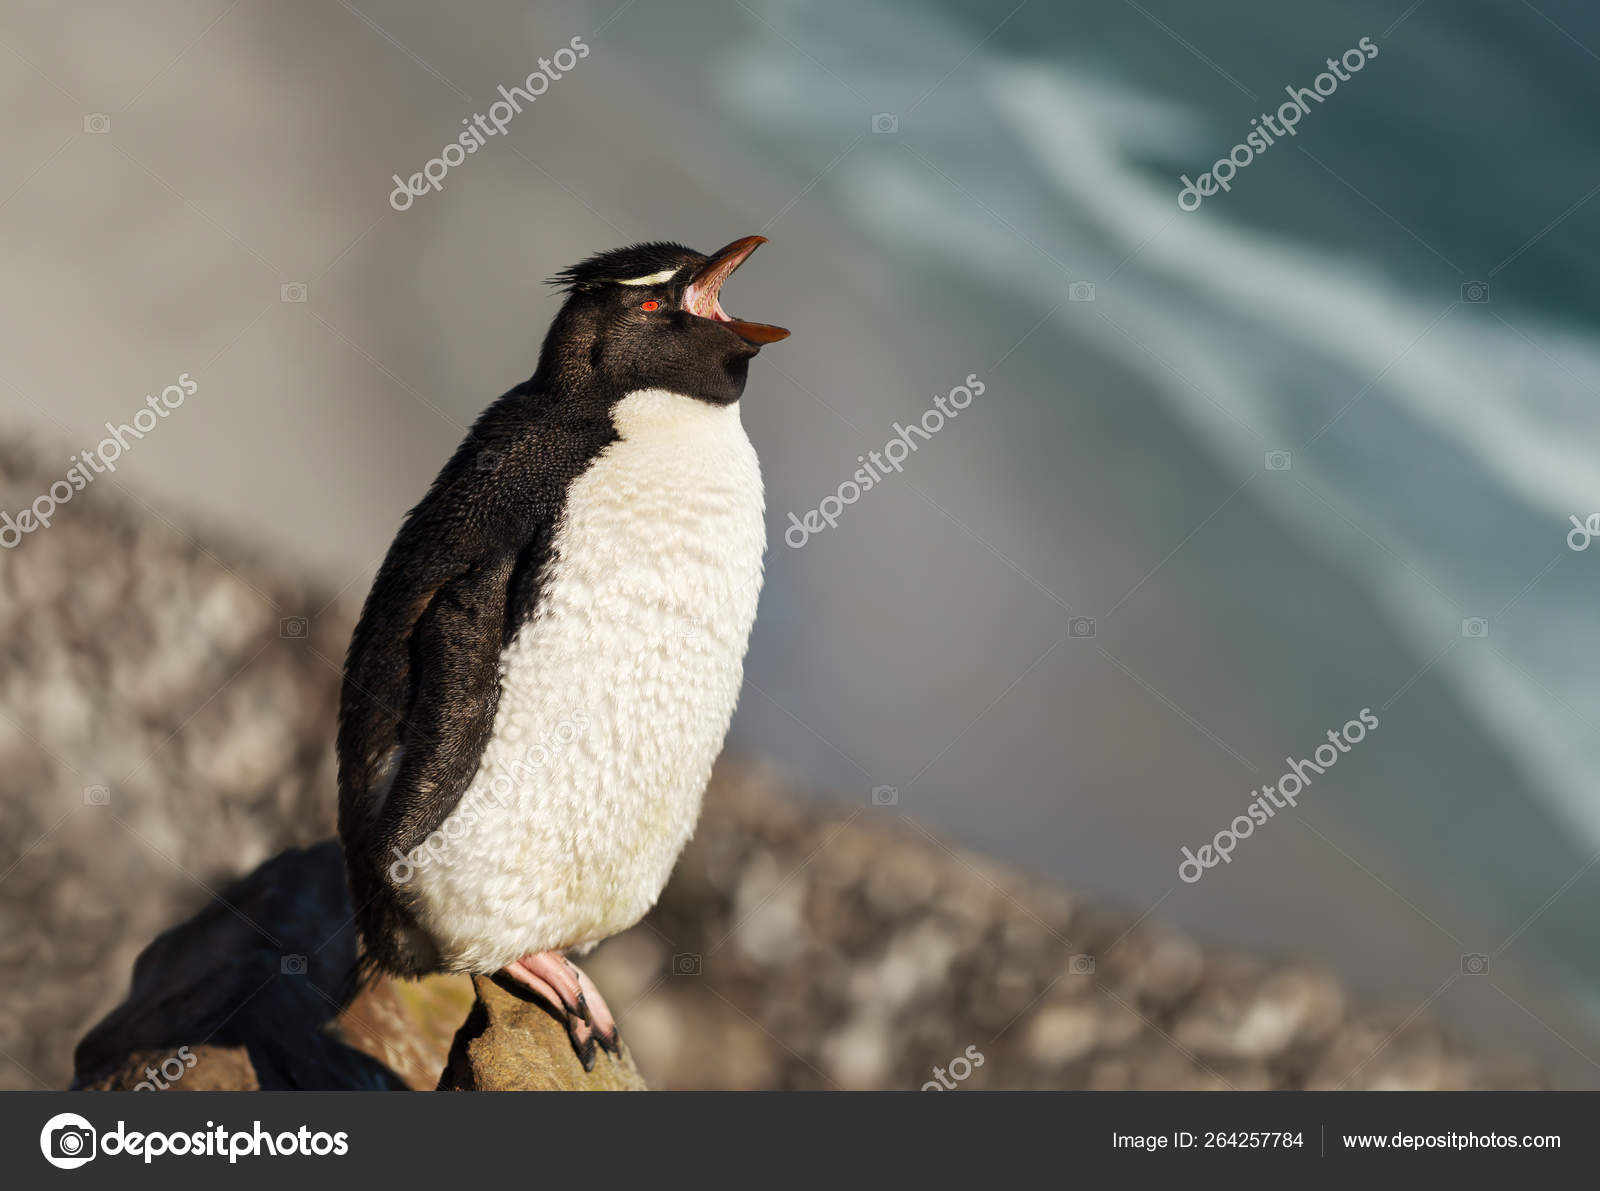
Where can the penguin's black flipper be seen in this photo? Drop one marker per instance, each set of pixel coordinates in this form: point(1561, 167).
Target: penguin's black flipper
point(454, 650)
point(444, 580)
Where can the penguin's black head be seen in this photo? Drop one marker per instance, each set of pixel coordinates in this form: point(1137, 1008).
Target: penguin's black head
point(648, 317)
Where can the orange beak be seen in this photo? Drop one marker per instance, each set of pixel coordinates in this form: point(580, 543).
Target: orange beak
point(700, 298)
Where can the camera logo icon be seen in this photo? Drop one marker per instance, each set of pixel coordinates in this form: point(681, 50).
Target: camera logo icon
point(97, 122)
point(96, 795)
point(293, 626)
point(1081, 965)
point(1080, 291)
point(1474, 291)
point(1475, 965)
point(1474, 626)
point(292, 291)
point(1080, 626)
point(67, 1141)
point(1278, 460)
point(885, 122)
point(293, 965)
point(687, 964)
point(885, 795)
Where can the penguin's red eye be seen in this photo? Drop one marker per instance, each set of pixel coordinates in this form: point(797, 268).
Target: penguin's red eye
point(650, 305)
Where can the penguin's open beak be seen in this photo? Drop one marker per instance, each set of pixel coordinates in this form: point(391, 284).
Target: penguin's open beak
point(700, 296)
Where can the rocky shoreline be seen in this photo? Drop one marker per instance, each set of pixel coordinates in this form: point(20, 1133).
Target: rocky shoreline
point(167, 730)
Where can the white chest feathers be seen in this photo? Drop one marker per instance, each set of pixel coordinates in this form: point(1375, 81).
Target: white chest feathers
point(615, 697)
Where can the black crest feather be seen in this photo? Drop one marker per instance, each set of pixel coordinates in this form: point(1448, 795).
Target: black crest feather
point(636, 260)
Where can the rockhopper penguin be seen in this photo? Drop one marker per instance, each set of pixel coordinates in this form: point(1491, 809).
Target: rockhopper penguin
point(547, 663)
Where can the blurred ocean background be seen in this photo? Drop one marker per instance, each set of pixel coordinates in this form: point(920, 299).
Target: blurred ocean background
point(940, 182)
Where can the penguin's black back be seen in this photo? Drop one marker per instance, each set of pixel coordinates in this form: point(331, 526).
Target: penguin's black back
point(462, 576)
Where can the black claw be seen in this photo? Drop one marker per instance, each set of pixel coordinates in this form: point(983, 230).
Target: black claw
point(586, 1055)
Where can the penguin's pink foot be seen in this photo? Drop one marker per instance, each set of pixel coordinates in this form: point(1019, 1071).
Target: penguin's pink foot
point(562, 985)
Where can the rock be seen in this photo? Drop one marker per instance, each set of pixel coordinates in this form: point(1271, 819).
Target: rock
point(1264, 1018)
point(858, 1056)
point(913, 965)
point(510, 1043)
point(215, 1069)
point(258, 992)
point(1063, 1033)
point(902, 883)
point(258, 978)
point(1171, 970)
point(685, 1041)
point(408, 1025)
point(768, 910)
point(166, 730)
